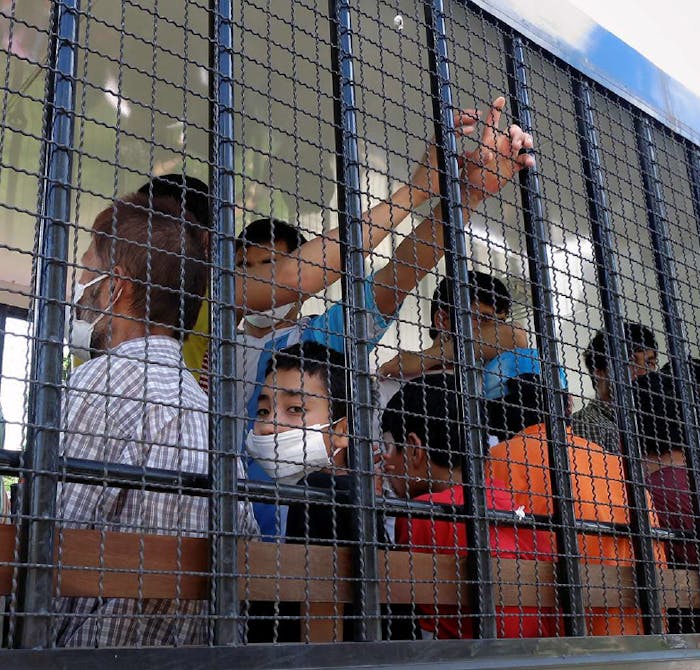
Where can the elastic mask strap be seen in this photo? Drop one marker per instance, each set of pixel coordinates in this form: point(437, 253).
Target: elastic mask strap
point(109, 307)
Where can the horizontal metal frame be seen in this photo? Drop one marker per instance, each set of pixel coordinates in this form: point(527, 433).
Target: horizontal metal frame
point(451, 654)
point(672, 652)
point(153, 479)
point(14, 312)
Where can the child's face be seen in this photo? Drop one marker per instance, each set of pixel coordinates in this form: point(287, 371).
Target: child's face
point(397, 468)
point(480, 311)
point(291, 399)
point(253, 255)
point(643, 361)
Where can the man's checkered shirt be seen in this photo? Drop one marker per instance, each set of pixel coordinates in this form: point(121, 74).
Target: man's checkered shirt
point(136, 405)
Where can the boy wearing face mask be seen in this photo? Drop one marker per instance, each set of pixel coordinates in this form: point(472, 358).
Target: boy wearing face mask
point(300, 436)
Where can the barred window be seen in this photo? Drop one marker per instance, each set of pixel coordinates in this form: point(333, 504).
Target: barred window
point(338, 322)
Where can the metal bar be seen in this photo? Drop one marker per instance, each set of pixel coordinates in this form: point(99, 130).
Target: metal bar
point(569, 574)
point(479, 556)
point(367, 601)
point(673, 652)
point(120, 475)
point(609, 283)
point(37, 540)
point(224, 447)
point(692, 160)
point(3, 332)
point(678, 349)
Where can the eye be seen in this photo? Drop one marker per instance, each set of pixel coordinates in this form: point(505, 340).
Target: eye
point(296, 409)
point(262, 413)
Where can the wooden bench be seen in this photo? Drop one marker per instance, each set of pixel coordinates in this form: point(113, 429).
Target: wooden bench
point(129, 565)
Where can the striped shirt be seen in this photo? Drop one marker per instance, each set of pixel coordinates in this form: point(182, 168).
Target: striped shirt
point(137, 405)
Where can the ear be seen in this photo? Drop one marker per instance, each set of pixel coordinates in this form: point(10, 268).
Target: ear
point(442, 320)
point(339, 437)
point(416, 453)
point(569, 408)
point(599, 376)
point(121, 284)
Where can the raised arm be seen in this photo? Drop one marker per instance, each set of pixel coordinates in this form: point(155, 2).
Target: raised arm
point(484, 172)
point(492, 336)
point(317, 264)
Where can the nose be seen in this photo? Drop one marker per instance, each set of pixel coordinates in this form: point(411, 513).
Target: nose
point(265, 427)
point(388, 463)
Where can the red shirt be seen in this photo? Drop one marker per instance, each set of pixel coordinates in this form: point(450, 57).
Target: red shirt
point(448, 537)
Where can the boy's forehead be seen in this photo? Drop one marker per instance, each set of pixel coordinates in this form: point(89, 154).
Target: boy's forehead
point(253, 252)
point(295, 382)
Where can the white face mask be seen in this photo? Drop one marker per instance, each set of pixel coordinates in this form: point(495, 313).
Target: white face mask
point(290, 455)
point(270, 317)
point(78, 331)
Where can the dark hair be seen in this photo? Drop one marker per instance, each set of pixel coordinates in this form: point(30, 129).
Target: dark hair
point(637, 336)
point(427, 406)
point(157, 246)
point(264, 231)
point(483, 288)
point(317, 360)
point(194, 192)
point(521, 406)
point(659, 416)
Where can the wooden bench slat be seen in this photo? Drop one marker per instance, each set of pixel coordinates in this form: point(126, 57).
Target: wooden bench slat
point(130, 565)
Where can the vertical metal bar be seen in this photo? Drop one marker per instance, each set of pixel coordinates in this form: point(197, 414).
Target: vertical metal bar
point(367, 602)
point(224, 447)
point(479, 566)
point(608, 282)
point(678, 349)
point(692, 159)
point(3, 333)
point(37, 555)
point(568, 568)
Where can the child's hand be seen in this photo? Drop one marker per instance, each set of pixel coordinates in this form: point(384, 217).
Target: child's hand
point(426, 178)
point(487, 169)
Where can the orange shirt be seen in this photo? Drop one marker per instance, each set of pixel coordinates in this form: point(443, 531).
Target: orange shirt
point(598, 486)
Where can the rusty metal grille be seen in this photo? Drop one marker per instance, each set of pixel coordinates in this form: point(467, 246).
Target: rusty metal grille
point(337, 322)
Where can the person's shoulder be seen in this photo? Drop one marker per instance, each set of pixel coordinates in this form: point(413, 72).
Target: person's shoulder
point(522, 451)
point(515, 447)
point(454, 495)
point(514, 359)
point(89, 375)
point(592, 412)
point(591, 458)
point(581, 414)
point(581, 442)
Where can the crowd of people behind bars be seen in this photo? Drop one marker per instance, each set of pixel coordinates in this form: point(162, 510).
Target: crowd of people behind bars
point(139, 319)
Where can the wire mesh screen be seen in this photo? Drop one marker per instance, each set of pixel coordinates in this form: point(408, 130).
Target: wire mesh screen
point(337, 322)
